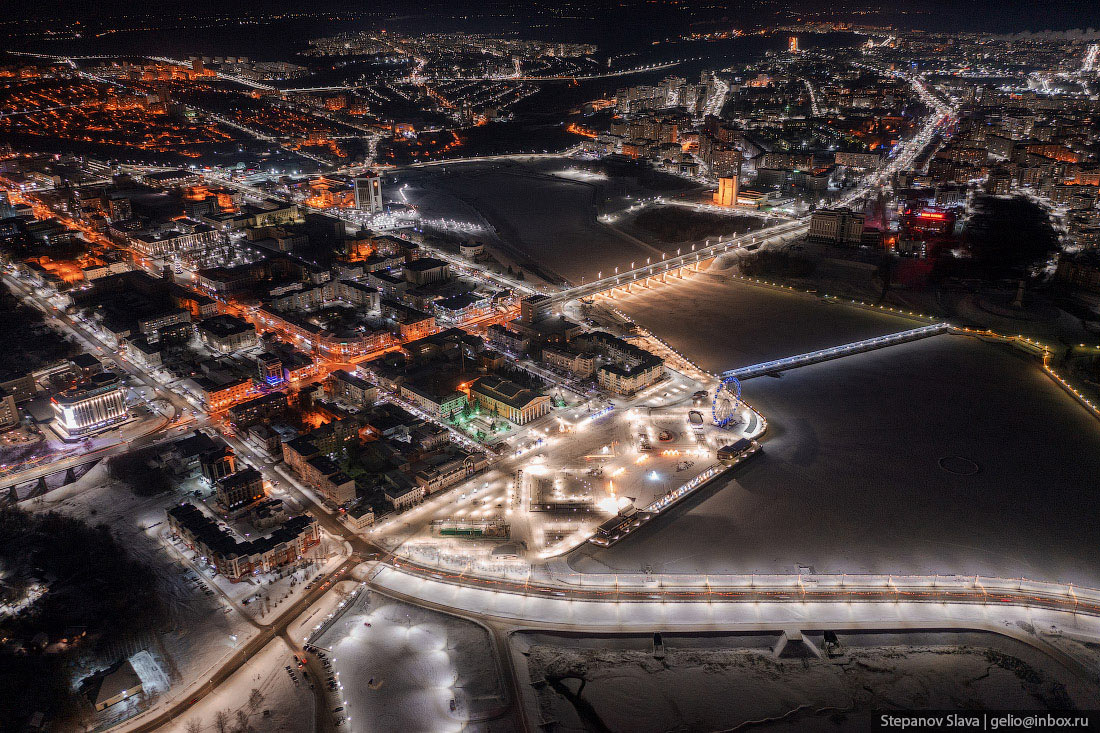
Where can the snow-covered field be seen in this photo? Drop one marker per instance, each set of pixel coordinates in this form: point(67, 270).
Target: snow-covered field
point(202, 628)
point(718, 683)
point(280, 705)
point(401, 672)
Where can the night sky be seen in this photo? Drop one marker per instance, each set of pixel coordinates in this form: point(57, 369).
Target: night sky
point(609, 17)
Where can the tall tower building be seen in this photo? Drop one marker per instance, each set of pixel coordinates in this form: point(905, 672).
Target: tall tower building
point(792, 44)
point(368, 193)
point(729, 188)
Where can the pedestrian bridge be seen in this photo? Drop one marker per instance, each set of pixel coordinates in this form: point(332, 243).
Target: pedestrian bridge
point(835, 352)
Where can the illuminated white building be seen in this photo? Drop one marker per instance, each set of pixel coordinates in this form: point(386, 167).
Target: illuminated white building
point(368, 193)
point(92, 406)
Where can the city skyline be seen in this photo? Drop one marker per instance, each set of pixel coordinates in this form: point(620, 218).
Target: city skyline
point(614, 367)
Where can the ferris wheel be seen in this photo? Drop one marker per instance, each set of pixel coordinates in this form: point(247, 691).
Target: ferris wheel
point(727, 400)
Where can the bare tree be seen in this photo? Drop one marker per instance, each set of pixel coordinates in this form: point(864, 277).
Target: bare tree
point(243, 725)
point(221, 721)
point(255, 699)
point(194, 725)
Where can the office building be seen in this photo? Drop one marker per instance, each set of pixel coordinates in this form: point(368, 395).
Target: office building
point(427, 270)
point(90, 407)
point(535, 308)
point(841, 226)
point(258, 409)
point(348, 388)
point(218, 462)
point(269, 368)
point(226, 333)
point(368, 193)
point(241, 489)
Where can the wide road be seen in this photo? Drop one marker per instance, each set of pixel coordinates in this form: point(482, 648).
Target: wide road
point(814, 589)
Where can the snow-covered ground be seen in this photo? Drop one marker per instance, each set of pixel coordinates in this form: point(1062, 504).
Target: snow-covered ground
point(941, 456)
point(400, 666)
point(203, 629)
point(718, 683)
point(281, 704)
point(736, 324)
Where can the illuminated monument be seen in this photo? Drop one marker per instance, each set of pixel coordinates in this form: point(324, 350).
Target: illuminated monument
point(729, 187)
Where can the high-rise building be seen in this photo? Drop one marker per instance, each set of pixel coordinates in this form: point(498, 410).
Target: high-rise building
point(535, 308)
point(723, 160)
point(368, 193)
point(841, 226)
point(9, 413)
point(792, 44)
point(90, 407)
point(119, 208)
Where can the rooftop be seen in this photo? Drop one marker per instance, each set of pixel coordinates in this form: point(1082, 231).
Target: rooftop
point(224, 325)
point(505, 391)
